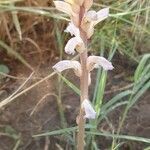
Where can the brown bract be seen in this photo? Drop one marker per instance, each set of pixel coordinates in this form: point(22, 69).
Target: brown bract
point(87, 4)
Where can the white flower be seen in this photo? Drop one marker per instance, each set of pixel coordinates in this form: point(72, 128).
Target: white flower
point(89, 111)
point(68, 64)
point(71, 8)
point(91, 15)
point(72, 29)
point(101, 15)
point(75, 42)
point(97, 62)
point(92, 18)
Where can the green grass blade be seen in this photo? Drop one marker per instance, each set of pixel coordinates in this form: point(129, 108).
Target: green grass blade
point(35, 10)
point(115, 99)
point(100, 91)
point(16, 22)
point(71, 85)
point(9, 1)
point(147, 148)
point(62, 131)
point(103, 115)
point(125, 137)
point(141, 66)
point(140, 93)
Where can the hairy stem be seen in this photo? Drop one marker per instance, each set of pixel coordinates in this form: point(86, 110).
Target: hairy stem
point(84, 95)
point(83, 85)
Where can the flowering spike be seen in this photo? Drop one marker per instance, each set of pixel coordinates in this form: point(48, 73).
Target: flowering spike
point(97, 61)
point(82, 28)
point(68, 64)
point(89, 111)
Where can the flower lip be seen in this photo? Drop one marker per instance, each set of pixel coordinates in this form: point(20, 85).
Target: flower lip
point(68, 64)
point(72, 29)
point(89, 111)
point(97, 62)
point(74, 43)
point(101, 15)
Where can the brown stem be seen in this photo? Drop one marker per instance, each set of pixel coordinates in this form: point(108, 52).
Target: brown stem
point(84, 95)
point(83, 85)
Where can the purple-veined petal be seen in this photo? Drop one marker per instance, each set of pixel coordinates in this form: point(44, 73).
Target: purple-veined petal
point(89, 111)
point(97, 62)
point(72, 44)
point(68, 64)
point(101, 15)
point(72, 29)
point(64, 7)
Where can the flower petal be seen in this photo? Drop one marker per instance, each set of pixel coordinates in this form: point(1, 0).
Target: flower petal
point(91, 15)
point(72, 44)
point(97, 61)
point(89, 111)
point(68, 64)
point(64, 7)
point(89, 79)
point(72, 29)
point(101, 15)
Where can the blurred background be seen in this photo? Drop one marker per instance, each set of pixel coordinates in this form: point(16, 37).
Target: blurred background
point(35, 100)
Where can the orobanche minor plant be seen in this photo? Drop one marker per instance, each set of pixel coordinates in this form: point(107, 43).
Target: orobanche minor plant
point(81, 27)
